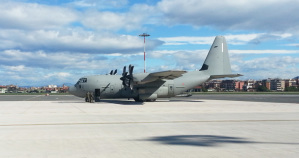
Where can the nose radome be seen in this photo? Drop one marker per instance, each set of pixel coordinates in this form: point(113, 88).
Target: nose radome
point(72, 90)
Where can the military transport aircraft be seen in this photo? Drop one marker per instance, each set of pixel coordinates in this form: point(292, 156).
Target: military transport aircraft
point(150, 86)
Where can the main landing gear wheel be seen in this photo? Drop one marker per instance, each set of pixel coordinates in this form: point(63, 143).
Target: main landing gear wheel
point(144, 100)
point(138, 100)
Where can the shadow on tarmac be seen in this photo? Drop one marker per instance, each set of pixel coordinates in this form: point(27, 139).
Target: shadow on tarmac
point(112, 101)
point(206, 140)
point(120, 102)
point(190, 101)
point(131, 102)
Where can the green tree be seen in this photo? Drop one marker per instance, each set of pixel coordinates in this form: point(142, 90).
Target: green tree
point(262, 89)
point(291, 89)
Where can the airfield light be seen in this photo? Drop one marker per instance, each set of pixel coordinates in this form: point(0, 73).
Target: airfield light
point(144, 35)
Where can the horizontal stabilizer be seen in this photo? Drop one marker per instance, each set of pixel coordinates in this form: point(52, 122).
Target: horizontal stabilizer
point(223, 76)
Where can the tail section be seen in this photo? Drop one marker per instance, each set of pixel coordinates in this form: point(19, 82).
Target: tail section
point(217, 63)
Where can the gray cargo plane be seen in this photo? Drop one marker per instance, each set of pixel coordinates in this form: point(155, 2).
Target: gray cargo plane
point(150, 86)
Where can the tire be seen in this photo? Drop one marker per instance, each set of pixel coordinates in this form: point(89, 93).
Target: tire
point(138, 100)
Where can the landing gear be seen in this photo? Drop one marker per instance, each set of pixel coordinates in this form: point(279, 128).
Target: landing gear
point(138, 100)
point(97, 99)
point(144, 100)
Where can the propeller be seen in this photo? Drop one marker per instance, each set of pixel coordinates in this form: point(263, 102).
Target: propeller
point(127, 77)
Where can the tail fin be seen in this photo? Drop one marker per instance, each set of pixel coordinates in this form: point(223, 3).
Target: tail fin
point(217, 63)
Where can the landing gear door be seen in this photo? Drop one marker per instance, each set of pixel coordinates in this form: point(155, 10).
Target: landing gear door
point(170, 90)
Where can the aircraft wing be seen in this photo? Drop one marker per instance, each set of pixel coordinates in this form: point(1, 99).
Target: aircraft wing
point(169, 75)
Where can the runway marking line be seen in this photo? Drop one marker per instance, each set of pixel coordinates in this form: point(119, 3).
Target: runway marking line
point(107, 123)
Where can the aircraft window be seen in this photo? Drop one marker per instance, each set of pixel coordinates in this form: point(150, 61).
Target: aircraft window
point(83, 80)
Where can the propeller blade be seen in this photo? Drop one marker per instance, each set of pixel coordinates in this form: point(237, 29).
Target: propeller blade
point(111, 72)
point(115, 71)
point(127, 77)
point(124, 71)
point(131, 70)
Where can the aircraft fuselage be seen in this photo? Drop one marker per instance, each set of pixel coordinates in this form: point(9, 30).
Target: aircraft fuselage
point(110, 86)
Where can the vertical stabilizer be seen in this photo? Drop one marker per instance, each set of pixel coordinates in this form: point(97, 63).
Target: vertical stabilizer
point(217, 61)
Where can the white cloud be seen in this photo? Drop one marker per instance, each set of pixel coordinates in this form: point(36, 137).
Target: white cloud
point(238, 39)
point(58, 75)
point(270, 15)
point(101, 4)
point(17, 15)
point(264, 51)
point(270, 67)
point(181, 40)
point(293, 44)
point(72, 40)
point(110, 21)
point(15, 68)
point(181, 59)
point(133, 19)
point(33, 27)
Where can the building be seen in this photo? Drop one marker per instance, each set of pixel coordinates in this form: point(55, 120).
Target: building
point(3, 89)
point(266, 83)
point(249, 85)
point(213, 85)
point(52, 86)
point(228, 85)
point(297, 80)
point(277, 85)
point(12, 89)
point(239, 85)
point(290, 83)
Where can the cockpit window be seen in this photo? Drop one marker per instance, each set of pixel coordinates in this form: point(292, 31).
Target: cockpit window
point(83, 80)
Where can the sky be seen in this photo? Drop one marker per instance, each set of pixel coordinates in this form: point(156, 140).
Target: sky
point(59, 41)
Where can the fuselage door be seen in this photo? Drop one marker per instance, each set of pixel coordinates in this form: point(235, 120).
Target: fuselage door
point(170, 90)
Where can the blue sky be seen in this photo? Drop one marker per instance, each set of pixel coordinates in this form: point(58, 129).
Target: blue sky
point(56, 42)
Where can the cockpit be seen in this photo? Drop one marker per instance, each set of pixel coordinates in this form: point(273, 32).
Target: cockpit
point(81, 80)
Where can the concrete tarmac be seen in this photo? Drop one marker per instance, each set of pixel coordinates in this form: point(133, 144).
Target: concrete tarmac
point(277, 98)
point(187, 127)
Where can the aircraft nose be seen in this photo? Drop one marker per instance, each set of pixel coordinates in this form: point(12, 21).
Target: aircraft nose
point(72, 90)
